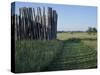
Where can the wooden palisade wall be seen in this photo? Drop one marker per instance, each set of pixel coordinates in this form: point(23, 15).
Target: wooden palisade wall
point(35, 23)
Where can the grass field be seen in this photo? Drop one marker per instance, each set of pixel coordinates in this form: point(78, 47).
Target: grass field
point(69, 51)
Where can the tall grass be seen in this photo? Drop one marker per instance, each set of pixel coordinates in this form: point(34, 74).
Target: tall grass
point(34, 55)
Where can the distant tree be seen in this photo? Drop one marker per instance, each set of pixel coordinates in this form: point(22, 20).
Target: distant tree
point(91, 30)
point(94, 29)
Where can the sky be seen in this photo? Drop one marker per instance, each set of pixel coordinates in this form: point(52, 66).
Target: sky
point(70, 17)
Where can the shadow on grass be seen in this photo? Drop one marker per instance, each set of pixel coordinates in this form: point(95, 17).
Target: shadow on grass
point(72, 40)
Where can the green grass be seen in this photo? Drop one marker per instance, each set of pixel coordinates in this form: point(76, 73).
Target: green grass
point(34, 55)
point(70, 51)
point(79, 35)
point(75, 55)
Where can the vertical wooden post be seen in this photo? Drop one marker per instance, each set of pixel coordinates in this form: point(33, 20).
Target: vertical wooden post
point(49, 22)
point(44, 24)
point(34, 24)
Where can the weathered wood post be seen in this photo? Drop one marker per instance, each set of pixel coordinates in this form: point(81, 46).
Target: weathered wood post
point(44, 24)
point(54, 24)
point(49, 23)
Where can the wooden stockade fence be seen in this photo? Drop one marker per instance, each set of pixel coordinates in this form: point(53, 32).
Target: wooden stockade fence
point(35, 23)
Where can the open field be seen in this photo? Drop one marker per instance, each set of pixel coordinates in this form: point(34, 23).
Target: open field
point(69, 51)
point(78, 35)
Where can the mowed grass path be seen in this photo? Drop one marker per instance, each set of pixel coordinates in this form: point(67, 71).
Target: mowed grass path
point(63, 54)
point(75, 55)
